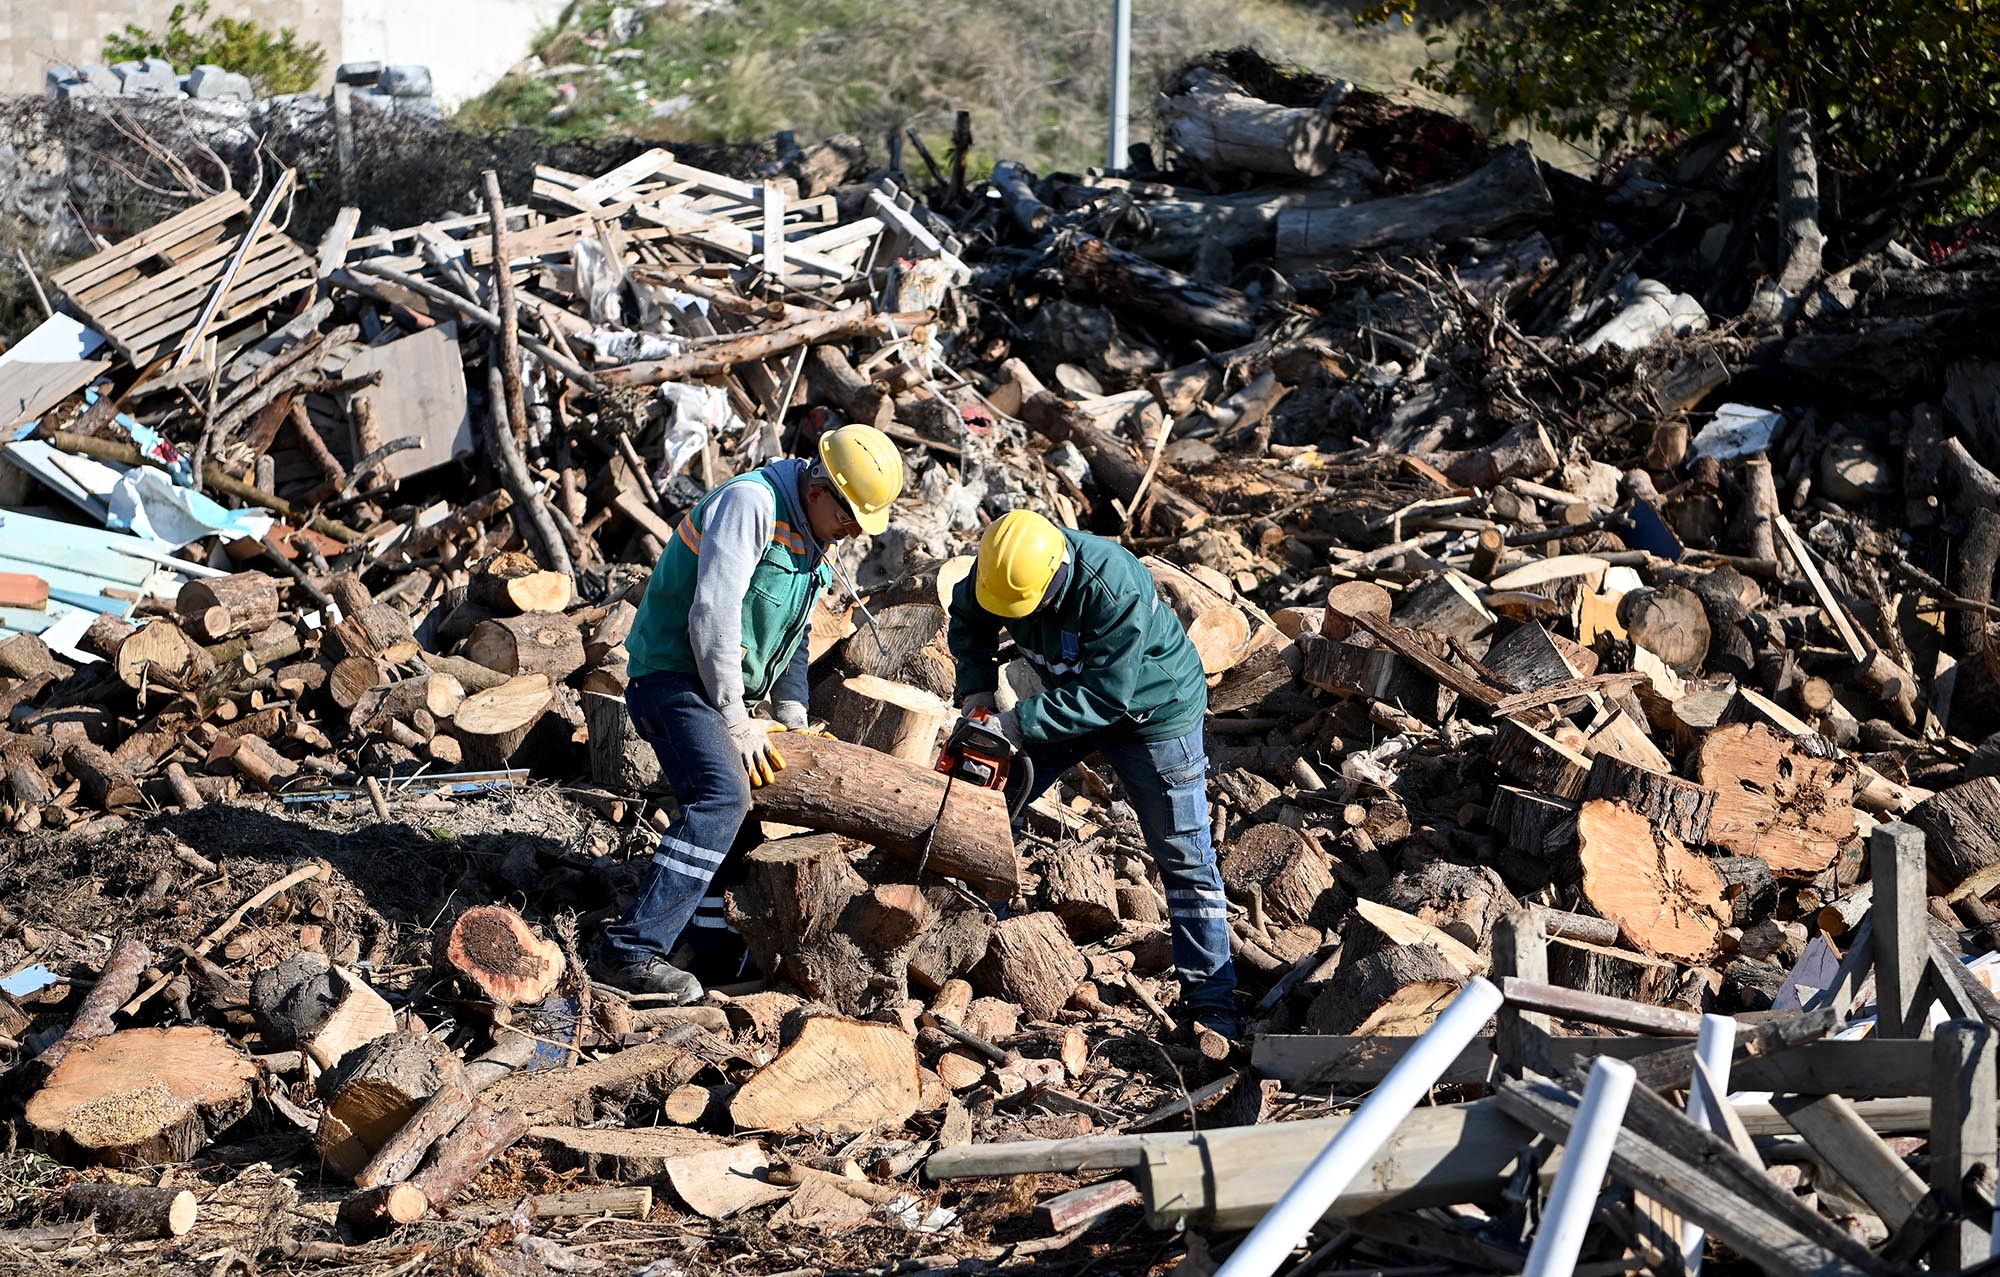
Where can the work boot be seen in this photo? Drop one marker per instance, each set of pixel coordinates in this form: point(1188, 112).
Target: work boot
point(650, 974)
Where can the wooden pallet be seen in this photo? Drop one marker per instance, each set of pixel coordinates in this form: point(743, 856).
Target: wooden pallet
point(147, 292)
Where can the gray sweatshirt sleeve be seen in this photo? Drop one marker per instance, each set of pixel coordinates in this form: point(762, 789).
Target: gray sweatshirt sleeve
point(733, 537)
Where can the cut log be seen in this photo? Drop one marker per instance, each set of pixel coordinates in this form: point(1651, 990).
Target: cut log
point(1669, 622)
point(1445, 606)
point(1464, 901)
point(953, 944)
point(1294, 877)
point(1506, 194)
point(1666, 900)
point(1222, 129)
point(374, 1211)
point(1217, 627)
point(906, 645)
point(807, 915)
point(496, 953)
point(141, 1097)
point(213, 608)
point(1962, 836)
point(1350, 599)
point(1373, 927)
point(621, 760)
point(1539, 761)
point(1212, 312)
point(1528, 657)
point(848, 789)
point(131, 1210)
point(353, 677)
point(1678, 808)
point(574, 1094)
point(533, 643)
point(406, 700)
point(1113, 462)
point(1399, 990)
point(1775, 799)
point(838, 1075)
point(374, 1090)
point(376, 630)
point(492, 724)
point(899, 720)
point(513, 582)
point(1525, 452)
point(485, 1133)
point(162, 646)
point(106, 782)
point(1033, 963)
point(105, 635)
point(1079, 887)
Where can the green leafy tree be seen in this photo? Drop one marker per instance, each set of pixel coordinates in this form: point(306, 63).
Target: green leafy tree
point(276, 62)
point(1904, 95)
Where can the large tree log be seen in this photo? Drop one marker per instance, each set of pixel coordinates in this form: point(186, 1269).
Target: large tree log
point(1398, 990)
point(1775, 799)
point(1079, 887)
point(374, 1090)
point(1803, 246)
point(1962, 836)
point(1032, 962)
point(849, 789)
point(1159, 295)
point(836, 1074)
point(621, 760)
point(809, 916)
point(1507, 193)
point(1212, 121)
point(492, 724)
point(1246, 221)
point(901, 721)
point(1112, 461)
point(1666, 900)
point(142, 1097)
point(956, 940)
point(496, 953)
point(1218, 628)
point(1294, 878)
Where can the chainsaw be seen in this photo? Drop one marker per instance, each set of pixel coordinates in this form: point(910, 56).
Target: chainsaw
point(978, 753)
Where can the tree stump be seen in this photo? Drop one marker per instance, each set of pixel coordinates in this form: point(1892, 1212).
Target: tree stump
point(1666, 901)
point(142, 1097)
point(901, 721)
point(839, 1075)
point(497, 954)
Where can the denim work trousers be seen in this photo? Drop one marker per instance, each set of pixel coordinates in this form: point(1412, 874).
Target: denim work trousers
point(701, 765)
point(1166, 782)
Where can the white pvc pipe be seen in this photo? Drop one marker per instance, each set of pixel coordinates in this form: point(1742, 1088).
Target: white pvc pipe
point(1121, 84)
point(1586, 1154)
point(1352, 1151)
point(1713, 1047)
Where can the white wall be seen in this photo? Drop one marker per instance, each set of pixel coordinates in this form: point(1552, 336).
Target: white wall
point(467, 44)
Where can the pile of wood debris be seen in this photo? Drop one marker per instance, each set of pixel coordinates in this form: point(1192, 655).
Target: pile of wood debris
point(1560, 632)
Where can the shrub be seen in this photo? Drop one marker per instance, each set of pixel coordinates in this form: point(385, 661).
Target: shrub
point(275, 62)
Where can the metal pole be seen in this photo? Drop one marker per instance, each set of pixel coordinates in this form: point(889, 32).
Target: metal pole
point(1573, 1200)
point(1121, 83)
point(1353, 1150)
point(1713, 1048)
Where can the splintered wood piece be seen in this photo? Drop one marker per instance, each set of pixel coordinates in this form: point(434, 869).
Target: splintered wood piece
point(400, 1155)
point(485, 1133)
point(899, 720)
point(1032, 962)
point(1776, 799)
point(1393, 927)
point(841, 1075)
point(805, 912)
point(1295, 877)
point(847, 789)
point(1445, 606)
point(159, 646)
point(372, 631)
point(534, 643)
point(1679, 808)
point(496, 952)
point(1666, 901)
point(1397, 990)
point(142, 1097)
point(132, 1210)
point(719, 1182)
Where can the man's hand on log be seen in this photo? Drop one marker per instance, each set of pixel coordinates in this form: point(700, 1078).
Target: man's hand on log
point(752, 738)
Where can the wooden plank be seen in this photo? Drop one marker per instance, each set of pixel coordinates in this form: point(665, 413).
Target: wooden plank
point(1520, 950)
point(1963, 1135)
point(119, 287)
point(386, 239)
point(422, 395)
point(134, 248)
point(704, 180)
point(284, 261)
point(176, 292)
point(1595, 1008)
point(774, 231)
point(24, 590)
point(630, 173)
point(1829, 602)
point(1854, 967)
point(1839, 1135)
point(1902, 928)
point(338, 241)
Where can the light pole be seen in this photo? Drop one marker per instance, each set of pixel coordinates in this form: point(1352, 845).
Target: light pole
point(1121, 77)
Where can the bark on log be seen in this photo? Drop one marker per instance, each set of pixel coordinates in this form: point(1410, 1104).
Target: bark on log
point(834, 378)
point(1221, 128)
point(131, 1210)
point(1505, 194)
point(1032, 962)
point(1465, 902)
point(374, 1090)
point(117, 981)
point(621, 760)
point(496, 953)
point(953, 944)
point(1803, 247)
point(485, 1133)
point(846, 324)
point(1129, 282)
point(905, 644)
point(535, 643)
point(1079, 887)
point(106, 783)
point(492, 724)
point(1665, 900)
point(214, 608)
point(142, 1097)
point(1962, 836)
point(1539, 761)
point(1216, 626)
point(1679, 808)
point(848, 789)
point(1525, 452)
point(1399, 990)
point(899, 720)
point(1293, 877)
point(512, 583)
point(373, 631)
point(807, 915)
point(837, 1074)
point(1112, 461)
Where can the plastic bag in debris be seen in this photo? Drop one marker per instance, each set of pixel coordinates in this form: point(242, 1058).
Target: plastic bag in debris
point(145, 501)
point(1738, 431)
point(1652, 311)
point(600, 282)
point(623, 346)
point(1370, 769)
point(700, 413)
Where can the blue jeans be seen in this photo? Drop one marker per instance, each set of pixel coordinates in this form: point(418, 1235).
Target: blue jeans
point(701, 765)
point(1167, 784)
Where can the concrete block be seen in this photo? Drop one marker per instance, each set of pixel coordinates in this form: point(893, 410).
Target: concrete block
point(372, 100)
point(405, 81)
point(295, 108)
point(152, 78)
point(357, 72)
point(75, 90)
point(58, 75)
point(99, 77)
point(211, 82)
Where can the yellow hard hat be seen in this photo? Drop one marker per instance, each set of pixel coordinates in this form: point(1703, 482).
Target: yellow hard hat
point(1018, 557)
point(866, 470)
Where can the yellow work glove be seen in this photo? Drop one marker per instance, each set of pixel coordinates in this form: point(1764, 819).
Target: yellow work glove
point(792, 717)
point(752, 738)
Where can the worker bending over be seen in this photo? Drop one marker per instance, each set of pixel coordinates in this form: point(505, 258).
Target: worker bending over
point(723, 625)
point(1124, 681)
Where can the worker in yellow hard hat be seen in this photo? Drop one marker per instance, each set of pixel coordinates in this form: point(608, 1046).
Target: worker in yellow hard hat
point(1124, 681)
point(722, 627)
